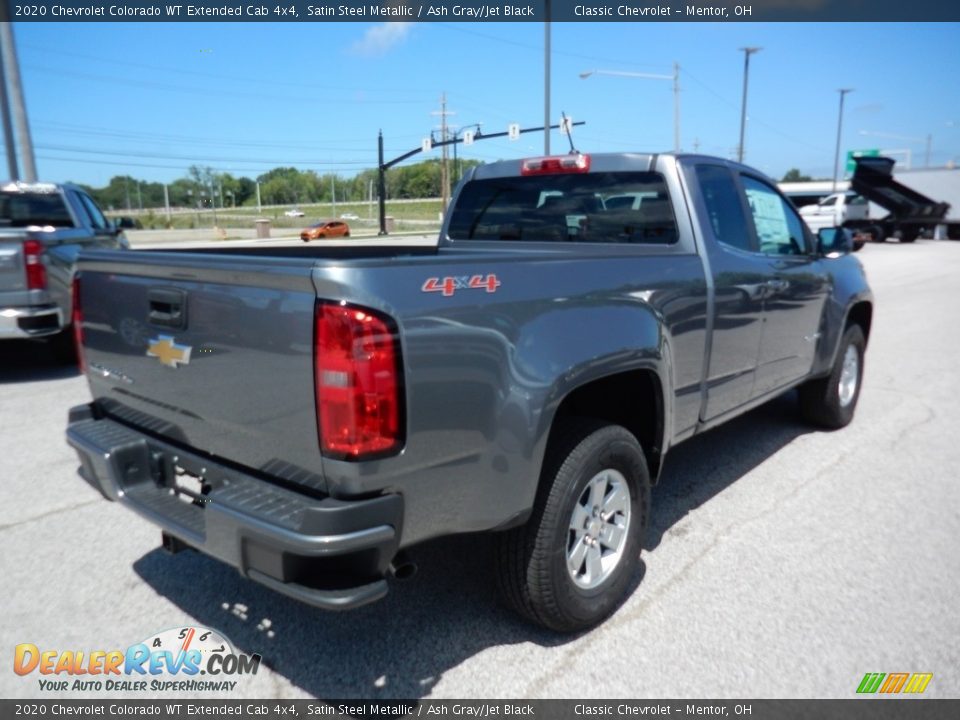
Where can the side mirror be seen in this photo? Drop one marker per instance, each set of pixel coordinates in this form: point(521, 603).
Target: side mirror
point(835, 241)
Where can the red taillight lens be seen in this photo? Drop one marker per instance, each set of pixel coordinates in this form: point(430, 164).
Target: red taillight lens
point(33, 260)
point(556, 165)
point(76, 319)
point(356, 363)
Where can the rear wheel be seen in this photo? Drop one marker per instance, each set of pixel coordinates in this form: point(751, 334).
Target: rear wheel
point(831, 401)
point(570, 566)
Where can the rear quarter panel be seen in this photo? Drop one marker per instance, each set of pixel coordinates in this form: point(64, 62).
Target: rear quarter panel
point(485, 372)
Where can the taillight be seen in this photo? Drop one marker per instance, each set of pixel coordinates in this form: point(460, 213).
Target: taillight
point(76, 319)
point(33, 260)
point(556, 165)
point(356, 364)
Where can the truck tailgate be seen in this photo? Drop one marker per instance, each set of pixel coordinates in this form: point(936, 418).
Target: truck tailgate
point(215, 356)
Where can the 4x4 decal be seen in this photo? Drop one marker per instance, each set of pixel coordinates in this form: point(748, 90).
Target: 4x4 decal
point(449, 285)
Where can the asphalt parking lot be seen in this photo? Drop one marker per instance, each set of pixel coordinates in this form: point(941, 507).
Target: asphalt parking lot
point(781, 562)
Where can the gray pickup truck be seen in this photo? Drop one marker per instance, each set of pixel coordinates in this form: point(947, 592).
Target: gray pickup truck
point(308, 414)
point(43, 227)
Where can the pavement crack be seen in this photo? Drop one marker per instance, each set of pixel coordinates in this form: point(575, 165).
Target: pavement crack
point(35, 518)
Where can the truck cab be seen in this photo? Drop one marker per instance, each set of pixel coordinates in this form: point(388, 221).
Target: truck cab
point(834, 210)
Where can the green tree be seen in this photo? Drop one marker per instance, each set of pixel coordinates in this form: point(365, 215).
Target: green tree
point(794, 175)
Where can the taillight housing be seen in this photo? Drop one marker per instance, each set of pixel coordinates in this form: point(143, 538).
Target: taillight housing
point(556, 165)
point(358, 382)
point(33, 261)
point(76, 320)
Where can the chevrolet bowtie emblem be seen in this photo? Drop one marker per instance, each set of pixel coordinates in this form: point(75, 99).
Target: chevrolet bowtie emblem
point(169, 352)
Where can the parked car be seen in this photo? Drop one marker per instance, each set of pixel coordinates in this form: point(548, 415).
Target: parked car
point(525, 376)
point(325, 229)
point(43, 227)
point(294, 212)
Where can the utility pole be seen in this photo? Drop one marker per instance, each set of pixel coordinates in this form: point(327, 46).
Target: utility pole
point(13, 169)
point(676, 107)
point(381, 186)
point(166, 200)
point(12, 70)
point(259, 206)
point(139, 197)
point(333, 195)
point(126, 188)
point(445, 154)
point(696, 144)
point(747, 52)
point(546, 80)
point(836, 154)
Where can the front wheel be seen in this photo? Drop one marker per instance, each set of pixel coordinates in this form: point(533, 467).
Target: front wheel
point(571, 565)
point(831, 401)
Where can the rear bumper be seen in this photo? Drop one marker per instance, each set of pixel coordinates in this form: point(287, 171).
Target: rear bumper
point(329, 553)
point(28, 322)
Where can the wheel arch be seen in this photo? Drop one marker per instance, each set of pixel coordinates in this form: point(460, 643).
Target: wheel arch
point(860, 313)
point(633, 399)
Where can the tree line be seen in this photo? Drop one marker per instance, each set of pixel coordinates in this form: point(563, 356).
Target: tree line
point(203, 187)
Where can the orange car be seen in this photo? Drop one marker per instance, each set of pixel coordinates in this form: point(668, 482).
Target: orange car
point(325, 229)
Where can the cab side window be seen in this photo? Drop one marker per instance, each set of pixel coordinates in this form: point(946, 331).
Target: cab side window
point(724, 208)
point(779, 229)
point(97, 220)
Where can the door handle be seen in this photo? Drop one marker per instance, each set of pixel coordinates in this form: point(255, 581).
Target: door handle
point(168, 308)
point(778, 285)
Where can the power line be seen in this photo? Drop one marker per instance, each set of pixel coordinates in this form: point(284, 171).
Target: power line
point(152, 137)
point(244, 79)
point(194, 159)
point(205, 91)
point(124, 163)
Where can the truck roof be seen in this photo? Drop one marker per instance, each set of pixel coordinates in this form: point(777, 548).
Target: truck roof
point(604, 162)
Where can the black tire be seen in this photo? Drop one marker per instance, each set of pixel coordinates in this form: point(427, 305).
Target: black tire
point(876, 233)
point(533, 577)
point(821, 400)
point(347, 234)
point(63, 347)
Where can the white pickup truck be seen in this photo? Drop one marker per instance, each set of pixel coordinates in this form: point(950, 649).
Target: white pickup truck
point(834, 210)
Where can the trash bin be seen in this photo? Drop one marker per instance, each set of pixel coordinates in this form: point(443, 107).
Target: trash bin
point(391, 223)
point(263, 227)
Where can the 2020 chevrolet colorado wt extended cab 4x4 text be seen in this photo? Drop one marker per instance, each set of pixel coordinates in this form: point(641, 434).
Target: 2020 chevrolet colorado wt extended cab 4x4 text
point(43, 227)
point(306, 414)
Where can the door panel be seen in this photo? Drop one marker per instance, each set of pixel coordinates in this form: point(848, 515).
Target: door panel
point(797, 288)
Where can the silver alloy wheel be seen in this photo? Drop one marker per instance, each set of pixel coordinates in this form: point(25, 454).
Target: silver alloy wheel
point(848, 375)
point(598, 529)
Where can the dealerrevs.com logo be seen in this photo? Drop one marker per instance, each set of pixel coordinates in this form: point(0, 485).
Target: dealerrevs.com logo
point(188, 659)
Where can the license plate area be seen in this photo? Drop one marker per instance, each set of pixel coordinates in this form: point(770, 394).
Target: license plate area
point(190, 488)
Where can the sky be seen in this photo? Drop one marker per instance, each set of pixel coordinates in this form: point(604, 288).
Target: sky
point(151, 99)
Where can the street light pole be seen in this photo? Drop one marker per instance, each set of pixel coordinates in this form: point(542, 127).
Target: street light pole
point(836, 154)
point(675, 77)
point(747, 52)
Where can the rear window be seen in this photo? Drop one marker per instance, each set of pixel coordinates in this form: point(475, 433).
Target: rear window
point(632, 207)
point(24, 209)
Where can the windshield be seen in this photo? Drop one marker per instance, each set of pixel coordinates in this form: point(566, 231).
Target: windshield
point(631, 207)
point(25, 209)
